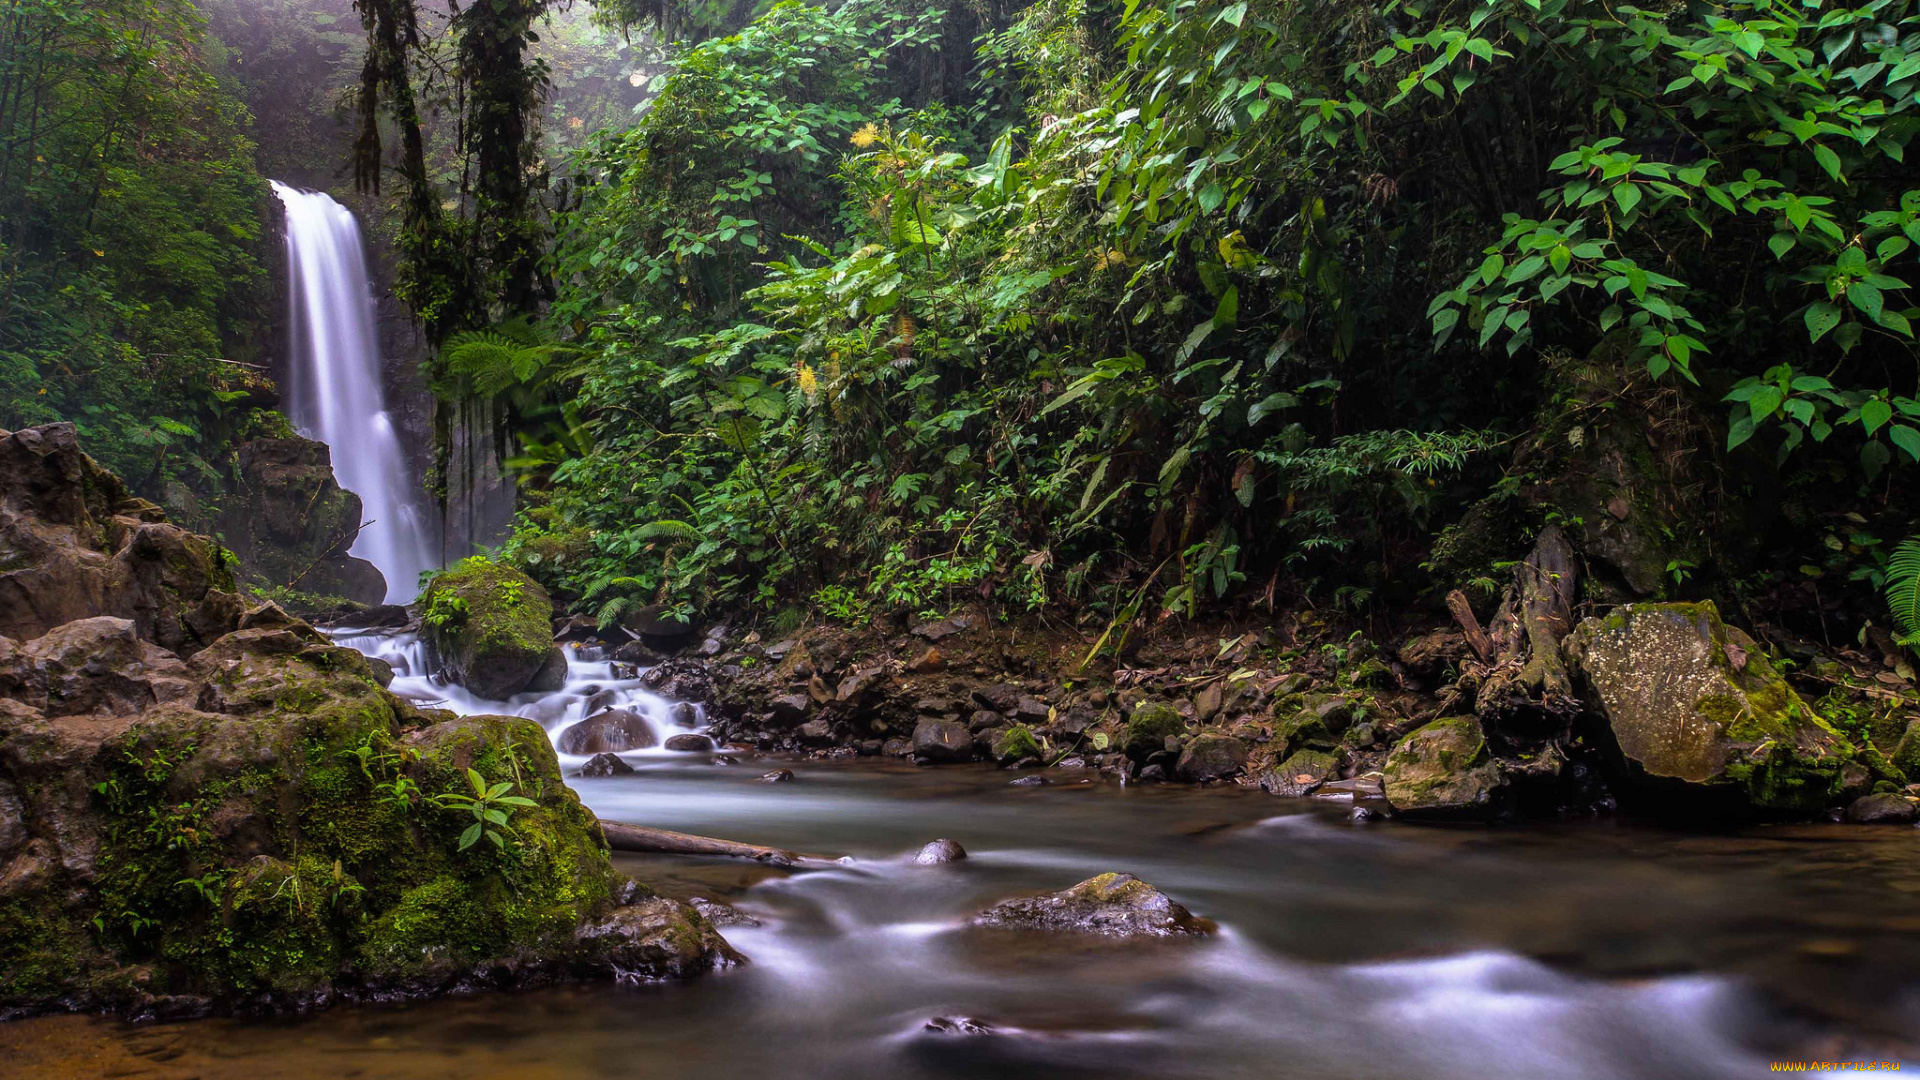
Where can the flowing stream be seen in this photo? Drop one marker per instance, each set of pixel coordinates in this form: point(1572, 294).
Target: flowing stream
point(1593, 949)
point(335, 393)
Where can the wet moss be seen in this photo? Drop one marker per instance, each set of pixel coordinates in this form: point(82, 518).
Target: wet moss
point(490, 624)
point(1148, 729)
point(1016, 742)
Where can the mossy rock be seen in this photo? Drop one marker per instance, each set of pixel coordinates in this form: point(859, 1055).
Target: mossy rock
point(1016, 742)
point(489, 626)
point(271, 836)
point(1906, 753)
point(1443, 768)
point(1148, 729)
point(1691, 699)
point(1301, 773)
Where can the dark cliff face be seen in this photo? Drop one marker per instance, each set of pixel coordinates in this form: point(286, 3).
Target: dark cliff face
point(292, 524)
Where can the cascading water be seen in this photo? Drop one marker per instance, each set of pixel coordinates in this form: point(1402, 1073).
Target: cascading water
point(335, 395)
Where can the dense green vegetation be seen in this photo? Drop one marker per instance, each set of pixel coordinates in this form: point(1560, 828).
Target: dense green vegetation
point(1182, 303)
point(130, 233)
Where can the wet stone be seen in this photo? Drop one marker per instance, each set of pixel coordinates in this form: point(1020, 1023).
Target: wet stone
point(614, 731)
point(777, 776)
point(720, 913)
point(1881, 810)
point(605, 765)
point(1110, 905)
point(939, 851)
point(958, 1025)
point(689, 744)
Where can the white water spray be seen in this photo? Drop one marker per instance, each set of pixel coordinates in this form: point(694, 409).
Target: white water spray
point(336, 396)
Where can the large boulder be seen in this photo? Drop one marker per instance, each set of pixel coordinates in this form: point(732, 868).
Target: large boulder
point(1691, 700)
point(291, 523)
point(1111, 905)
point(1211, 756)
point(291, 773)
point(74, 544)
point(1443, 768)
point(490, 627)
point(614, 731)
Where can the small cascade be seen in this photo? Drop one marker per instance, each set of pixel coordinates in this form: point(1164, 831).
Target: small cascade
point(593, 686)
point(335, 394)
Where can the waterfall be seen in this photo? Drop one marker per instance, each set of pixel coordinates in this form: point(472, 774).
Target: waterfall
point(335, 395)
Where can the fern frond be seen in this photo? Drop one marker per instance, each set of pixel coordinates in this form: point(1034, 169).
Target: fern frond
point(1903, 585)
point(611, 610)
point(678, 532)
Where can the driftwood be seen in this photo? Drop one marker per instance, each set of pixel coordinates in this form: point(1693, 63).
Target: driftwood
point(1470, 626)
point(624, 837)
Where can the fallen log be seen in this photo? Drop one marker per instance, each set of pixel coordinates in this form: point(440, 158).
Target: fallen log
point(639, 838)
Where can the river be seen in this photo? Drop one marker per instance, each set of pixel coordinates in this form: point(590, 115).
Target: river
point(1349, 950)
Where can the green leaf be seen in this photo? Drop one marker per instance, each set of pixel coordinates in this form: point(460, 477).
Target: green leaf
point(1828, 160)
point(1821, 318)
point(468, 838)
point(1906, 439)
point(1739, 430)
point(1874, 414)
point(1867, 298)
point(1628, 196)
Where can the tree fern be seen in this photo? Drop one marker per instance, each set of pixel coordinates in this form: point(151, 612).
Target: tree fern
point(1903, 590)
point(500, 358)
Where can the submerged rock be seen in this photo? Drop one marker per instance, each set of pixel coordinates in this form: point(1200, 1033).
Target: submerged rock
point(1691, 699)
point(720, 913)
point(1442, 768)
point(689, 744)
point(958, 1025)
point(1111, 905)
point(777, 776)
point(615, 731)
point(653, 939)
point(600, 765)
point(489, 626)
point(939, 851)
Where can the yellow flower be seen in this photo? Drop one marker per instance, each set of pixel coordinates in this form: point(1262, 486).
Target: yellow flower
point(809, 382)
point(866, 136)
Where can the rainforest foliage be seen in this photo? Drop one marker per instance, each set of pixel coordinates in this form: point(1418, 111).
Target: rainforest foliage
point(888, 304)
point(130, 233)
